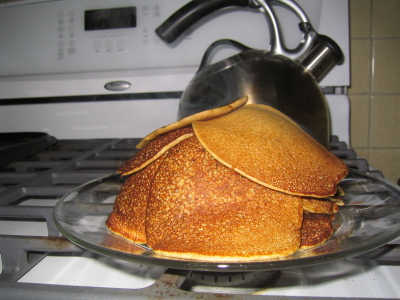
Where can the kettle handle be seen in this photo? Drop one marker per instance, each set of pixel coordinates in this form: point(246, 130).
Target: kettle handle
point(192, 12)
point(277, 46)
point(213, 46)
point(195, 10)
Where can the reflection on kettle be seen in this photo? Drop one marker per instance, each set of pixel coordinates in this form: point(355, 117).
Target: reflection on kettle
point(286, 79)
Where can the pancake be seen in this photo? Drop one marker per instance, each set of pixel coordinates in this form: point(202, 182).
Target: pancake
point(154, 150)
point(204, 115)
point(316, 229)
point(267, 147)
point(199, 208)
point(319, 206)
point(128, 218)
point(188, 197)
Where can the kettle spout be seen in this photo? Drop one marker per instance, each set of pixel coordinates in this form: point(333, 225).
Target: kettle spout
point(322, 57)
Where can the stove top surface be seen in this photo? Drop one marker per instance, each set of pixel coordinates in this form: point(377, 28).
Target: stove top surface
point(34, 254)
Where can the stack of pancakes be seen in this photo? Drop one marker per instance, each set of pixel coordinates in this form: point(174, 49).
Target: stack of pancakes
point(239, 182)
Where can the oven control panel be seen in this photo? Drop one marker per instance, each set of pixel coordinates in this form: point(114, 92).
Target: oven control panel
point(74, 36)
point(98, 35)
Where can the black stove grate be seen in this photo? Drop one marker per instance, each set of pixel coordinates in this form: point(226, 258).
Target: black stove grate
point(50, 174)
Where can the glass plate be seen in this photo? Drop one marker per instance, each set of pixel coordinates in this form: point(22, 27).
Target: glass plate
point(370, 218)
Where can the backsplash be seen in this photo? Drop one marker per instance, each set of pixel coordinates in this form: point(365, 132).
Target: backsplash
point(375, 83)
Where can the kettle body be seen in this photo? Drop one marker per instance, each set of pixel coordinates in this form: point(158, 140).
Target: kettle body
point(265, 78)
point(286, 79)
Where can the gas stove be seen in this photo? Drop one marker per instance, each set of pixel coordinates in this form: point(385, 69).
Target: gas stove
point(98, 91)
point(38, 262)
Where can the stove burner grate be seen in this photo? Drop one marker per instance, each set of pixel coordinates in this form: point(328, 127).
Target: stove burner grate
point(29, 189)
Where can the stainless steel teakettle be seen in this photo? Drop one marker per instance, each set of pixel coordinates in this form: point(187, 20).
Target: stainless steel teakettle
point(285, 79)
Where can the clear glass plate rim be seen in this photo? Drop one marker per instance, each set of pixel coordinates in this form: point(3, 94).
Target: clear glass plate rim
point(150, 258)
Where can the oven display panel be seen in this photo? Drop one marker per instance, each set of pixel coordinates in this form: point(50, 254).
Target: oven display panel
point(76, 37)
point(113, 18)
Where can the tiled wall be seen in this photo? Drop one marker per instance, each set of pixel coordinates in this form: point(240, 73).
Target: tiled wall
point(375, 88)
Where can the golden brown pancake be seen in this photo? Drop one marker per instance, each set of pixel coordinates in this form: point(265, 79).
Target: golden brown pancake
point(204, 115)
point(338, 201)
point(200, 208)
point(319, 206)
point(201, 193)
point(154, 150)
point(129, 212)
point(316, 229)
point(267, 147)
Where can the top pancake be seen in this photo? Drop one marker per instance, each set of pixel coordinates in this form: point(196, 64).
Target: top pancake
point(204, 115)
point(267, 147)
